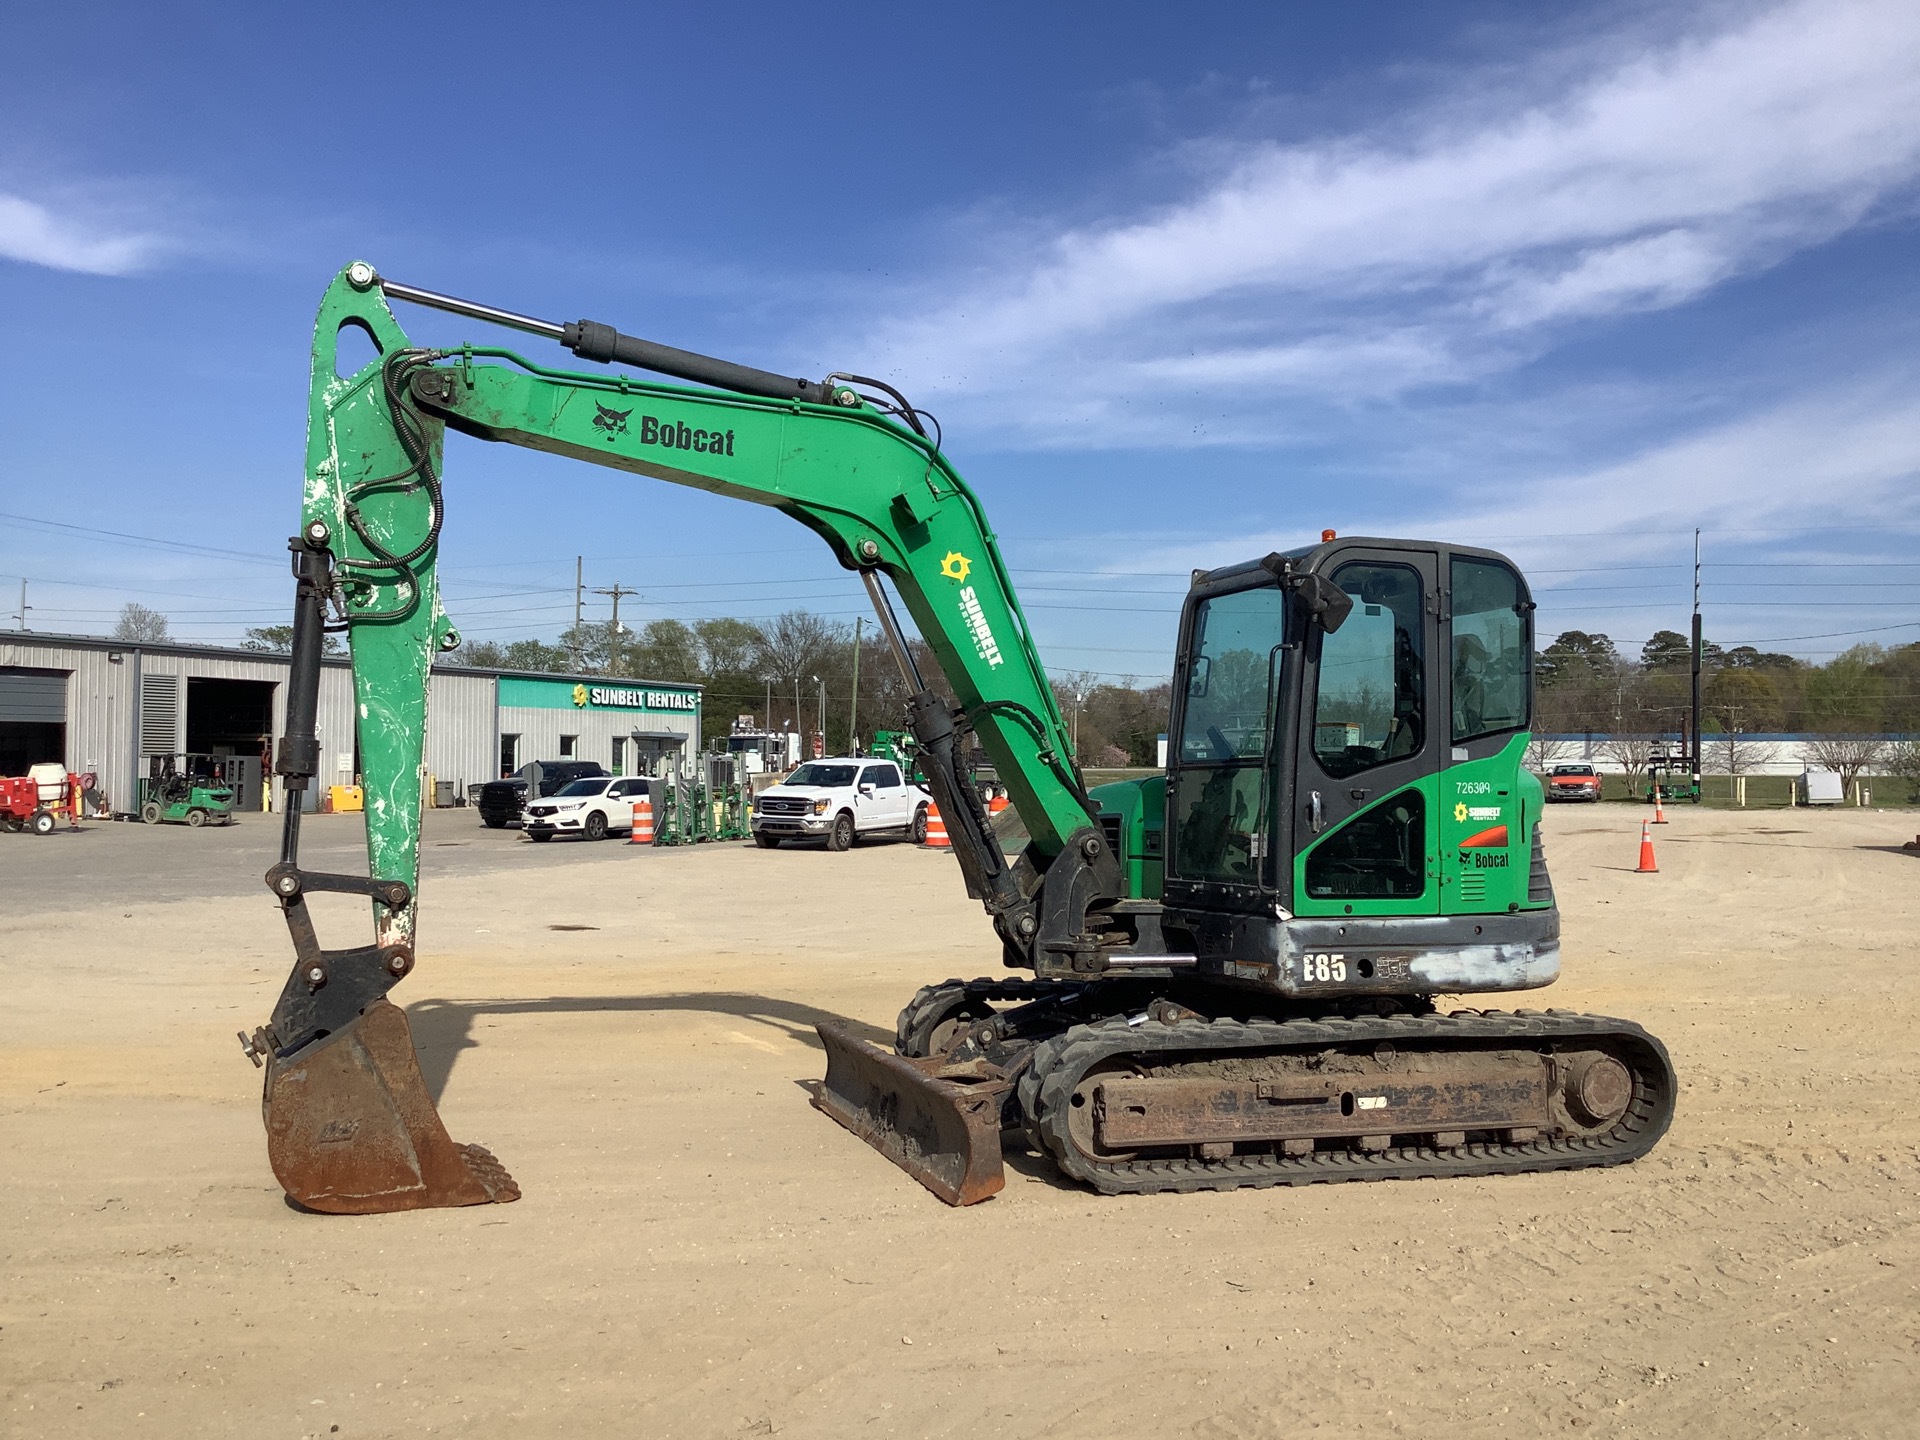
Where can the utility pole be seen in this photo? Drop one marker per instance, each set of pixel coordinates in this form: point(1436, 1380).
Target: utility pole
point(21, 618)
point(823, 711)
point(613, 645)
point(1696, 664)
point(853, 705)
point(616, 592)
point(579, 598)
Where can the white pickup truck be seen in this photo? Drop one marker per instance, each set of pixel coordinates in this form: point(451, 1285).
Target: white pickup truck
point(840, 801)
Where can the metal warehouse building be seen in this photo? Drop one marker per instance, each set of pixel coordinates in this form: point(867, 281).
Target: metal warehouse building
point(108, 706)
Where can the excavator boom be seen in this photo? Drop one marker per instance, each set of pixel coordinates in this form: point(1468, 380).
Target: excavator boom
point(349, 1122)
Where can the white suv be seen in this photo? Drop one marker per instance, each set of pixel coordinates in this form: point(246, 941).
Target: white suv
point(594, 807)
point(840, 801)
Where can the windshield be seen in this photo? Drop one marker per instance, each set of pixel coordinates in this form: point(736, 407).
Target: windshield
point(583, 787)
point(819, 776)
point(1573, 770)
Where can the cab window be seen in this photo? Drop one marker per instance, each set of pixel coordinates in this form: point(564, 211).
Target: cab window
point(1229, 679)
point(884, 777)
point(1492, 654)
point(1379, 855)
point(1219, 804)
point(1369, 707)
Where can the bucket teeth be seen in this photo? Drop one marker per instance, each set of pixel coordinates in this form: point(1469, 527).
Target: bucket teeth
point(351, 1129)
point(942, 1129)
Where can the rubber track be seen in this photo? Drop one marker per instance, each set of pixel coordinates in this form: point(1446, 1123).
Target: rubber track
point(946, 995)
point(1047, 1087)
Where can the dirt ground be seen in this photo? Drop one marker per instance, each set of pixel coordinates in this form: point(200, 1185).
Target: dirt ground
point(699, 1253)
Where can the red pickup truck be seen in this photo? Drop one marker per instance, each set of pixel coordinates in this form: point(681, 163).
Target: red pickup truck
point(1573, 782)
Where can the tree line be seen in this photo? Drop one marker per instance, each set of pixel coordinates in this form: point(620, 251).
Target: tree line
point(1853, 704)
point(779, 671)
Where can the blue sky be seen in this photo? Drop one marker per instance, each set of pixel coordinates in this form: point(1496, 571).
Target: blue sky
point(1183, 284)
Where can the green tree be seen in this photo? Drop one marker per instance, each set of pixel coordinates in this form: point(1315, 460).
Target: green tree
point(663, 650)
point(481, 654)
point(1670, 650)
point(1745, 657)
point(1848, 695)
point(733, 686)
point(1577, 684)
point(1576, 656)
point(727, 646)
point(1741, 701)
point(536, 655)
point(1666, 650)
point(1900, 670)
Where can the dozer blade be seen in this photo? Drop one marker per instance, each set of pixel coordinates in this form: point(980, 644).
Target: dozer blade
point(942, 1130)
point(351, 1129)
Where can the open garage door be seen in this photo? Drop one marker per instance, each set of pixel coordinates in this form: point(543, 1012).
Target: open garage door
point(233, 720)
point(33, 718)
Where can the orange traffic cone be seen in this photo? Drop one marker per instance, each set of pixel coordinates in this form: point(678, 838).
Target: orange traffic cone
point(997, 804)
point(1647, 866)
point(936, 830)
point(642, 822)
point(1659, 806)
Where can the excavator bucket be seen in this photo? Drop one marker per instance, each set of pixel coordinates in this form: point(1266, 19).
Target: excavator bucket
point(939, 1123)
point(351, 1129)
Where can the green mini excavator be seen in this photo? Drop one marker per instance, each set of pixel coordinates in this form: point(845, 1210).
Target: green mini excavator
point(1220, 977)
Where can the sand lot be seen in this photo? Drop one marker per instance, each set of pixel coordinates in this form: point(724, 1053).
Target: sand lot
point(700, 1254)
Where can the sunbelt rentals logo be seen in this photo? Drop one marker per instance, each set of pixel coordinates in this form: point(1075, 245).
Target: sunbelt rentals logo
point(957, 567)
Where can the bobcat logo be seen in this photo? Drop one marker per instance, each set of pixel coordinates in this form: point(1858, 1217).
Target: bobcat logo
point(614, 422)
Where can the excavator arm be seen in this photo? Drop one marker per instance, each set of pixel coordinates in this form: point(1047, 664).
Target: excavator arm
point(350, 1124)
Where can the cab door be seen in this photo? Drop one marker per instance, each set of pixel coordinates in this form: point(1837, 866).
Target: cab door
point(872, 800)
point(889, 794)
point(1372, 726)
point(1219, 824)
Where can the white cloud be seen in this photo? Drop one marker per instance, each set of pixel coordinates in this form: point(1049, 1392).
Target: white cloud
point(1446, 253)
point(31, 232)
point(1783, 483)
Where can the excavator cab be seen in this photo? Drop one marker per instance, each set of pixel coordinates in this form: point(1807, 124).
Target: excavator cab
point(1347, 739)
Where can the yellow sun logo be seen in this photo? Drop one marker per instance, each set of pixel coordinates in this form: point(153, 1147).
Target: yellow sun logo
point(956, 566)
point(1460, 811)
point(579, 694)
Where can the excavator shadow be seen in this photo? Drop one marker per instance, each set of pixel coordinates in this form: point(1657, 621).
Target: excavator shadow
point(442, 1029)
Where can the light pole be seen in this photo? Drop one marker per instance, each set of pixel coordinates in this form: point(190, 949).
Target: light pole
point(853, 702)
point(823, 710)
point(1080, 692)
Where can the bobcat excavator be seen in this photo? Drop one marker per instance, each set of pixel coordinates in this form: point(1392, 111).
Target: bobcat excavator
point(1230, 970)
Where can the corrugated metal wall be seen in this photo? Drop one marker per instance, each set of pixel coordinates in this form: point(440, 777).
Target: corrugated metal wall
point(462, 743)
point(103, 709)
point(98, 710)
point(464, 719)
